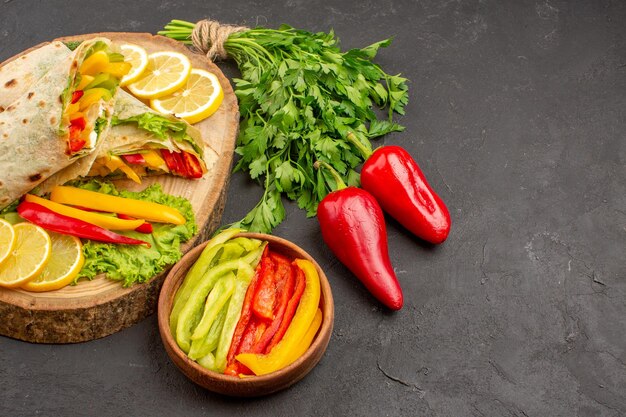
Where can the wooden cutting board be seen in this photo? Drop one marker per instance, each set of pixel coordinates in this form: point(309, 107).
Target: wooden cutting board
point(98, 308)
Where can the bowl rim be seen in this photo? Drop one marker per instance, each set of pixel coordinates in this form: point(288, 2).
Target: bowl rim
point(172, 283)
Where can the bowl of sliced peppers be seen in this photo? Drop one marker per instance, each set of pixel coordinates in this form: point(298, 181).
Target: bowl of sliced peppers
point(246, 314)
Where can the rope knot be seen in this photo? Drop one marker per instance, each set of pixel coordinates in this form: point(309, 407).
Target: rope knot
point(209, 36)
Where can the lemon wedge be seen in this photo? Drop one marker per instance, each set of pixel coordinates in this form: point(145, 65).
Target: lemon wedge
point(29, 255)
point(198, 99)
point(138, 59)
point(66, 261)
point(7, 240)
point(165, 73)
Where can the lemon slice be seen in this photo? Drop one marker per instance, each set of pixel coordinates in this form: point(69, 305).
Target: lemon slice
point(165, 73)
point(199, 98)
point(29, 255)
point(7, 239)
point(138, 58)
point(66, 261)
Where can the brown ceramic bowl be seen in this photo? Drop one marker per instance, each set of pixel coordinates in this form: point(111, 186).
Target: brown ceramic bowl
point(254, 385)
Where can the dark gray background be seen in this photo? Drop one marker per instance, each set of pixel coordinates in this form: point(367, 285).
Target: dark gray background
point(517, 118)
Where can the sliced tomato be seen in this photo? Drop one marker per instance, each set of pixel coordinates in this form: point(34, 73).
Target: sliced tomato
point(134, 159)
point(76, 95)
point(192, 165)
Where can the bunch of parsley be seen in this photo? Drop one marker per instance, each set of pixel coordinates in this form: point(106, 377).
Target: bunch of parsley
point(302, 100)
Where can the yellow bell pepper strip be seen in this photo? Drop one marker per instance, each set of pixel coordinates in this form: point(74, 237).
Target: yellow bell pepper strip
point(94, 64)
point(146, 210)
point(153, 159)
point(279, 356)
point(307, 339)
point(117, 69)
point(107, 222)
point(85, 80)
point(196, 272)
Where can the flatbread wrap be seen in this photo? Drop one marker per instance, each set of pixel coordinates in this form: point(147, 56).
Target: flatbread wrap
point(144, 142)
point(55, 112)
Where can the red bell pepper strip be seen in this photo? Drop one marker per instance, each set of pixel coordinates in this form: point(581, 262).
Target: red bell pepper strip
point(246, 309)
point(285, 293)
point(396, 181)
point(144, 228)
point(290, 308)
point(76, 95)
point(134, 159)
point(171, 161)
point(265, 295)
point(353, 227)
point(50, 220)
point(284, 282)
point(79, 122)
point(192, 165)
point(253, 332)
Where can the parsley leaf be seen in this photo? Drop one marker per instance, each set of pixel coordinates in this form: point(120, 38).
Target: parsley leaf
point(302, 99)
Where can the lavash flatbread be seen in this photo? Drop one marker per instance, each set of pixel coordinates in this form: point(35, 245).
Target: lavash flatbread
point(33, 141)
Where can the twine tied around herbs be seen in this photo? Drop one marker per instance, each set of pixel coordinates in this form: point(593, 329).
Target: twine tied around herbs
point(209, 36)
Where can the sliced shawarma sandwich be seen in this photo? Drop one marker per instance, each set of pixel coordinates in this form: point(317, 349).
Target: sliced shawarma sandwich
point(55, 108)
point(143, 142)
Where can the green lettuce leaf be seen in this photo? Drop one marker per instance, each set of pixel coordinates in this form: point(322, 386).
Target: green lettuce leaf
point(161, 127)
point(137, 263)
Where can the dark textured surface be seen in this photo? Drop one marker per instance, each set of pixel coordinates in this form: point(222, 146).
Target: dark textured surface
point(517, 117)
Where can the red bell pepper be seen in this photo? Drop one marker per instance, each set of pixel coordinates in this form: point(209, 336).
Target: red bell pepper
point(80, 122)
point(134, 159)
point(396, 181)
point(290, 309)
point(76, 143)
point(193, 169)
point(265, 295)
point(285, 283)
point(173, 163)
point(76, 95)
point(50, 220)
point(353, 227)
point(182, 163)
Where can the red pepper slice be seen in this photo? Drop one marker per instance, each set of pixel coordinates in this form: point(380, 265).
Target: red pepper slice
point(192, 165)
point(76, 95)
point(75, 144)
point(50, 220)
point(253, 333)
point(171, 161)
point(180, 163)
point(290, 308)
point(80, 122)
point(285, 289)
point(246, 309)
point(134, 159)
point(144, 228)
point(265, 296)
